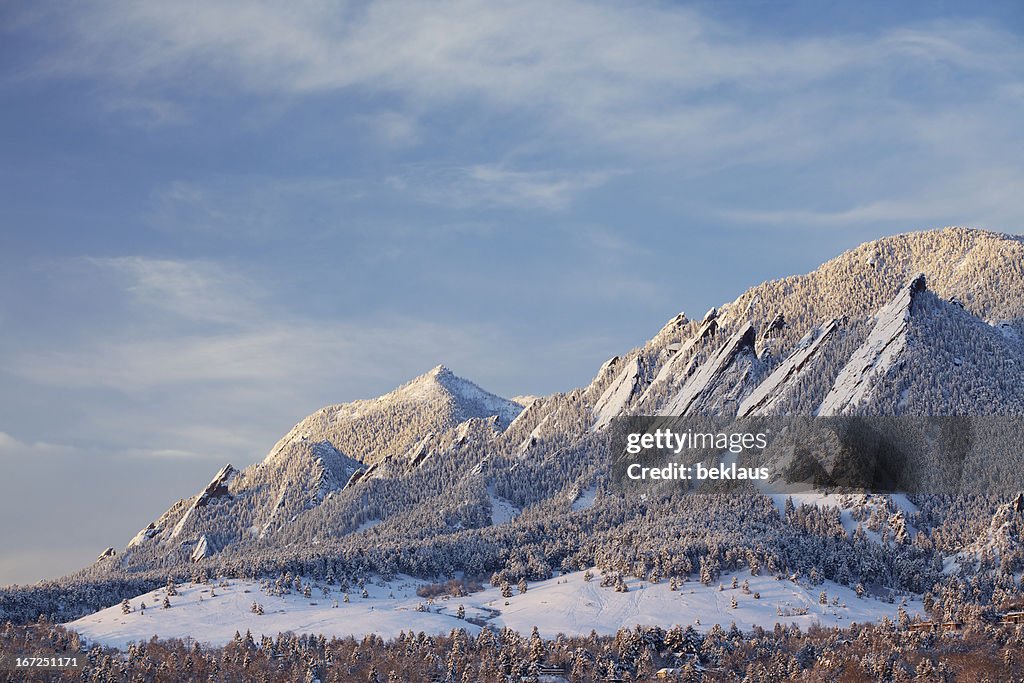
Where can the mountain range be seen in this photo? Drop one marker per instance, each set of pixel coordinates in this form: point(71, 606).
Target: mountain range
point(924, 323)
point(440, 477)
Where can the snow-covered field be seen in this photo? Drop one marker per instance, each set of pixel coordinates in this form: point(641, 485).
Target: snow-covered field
point(565, 604)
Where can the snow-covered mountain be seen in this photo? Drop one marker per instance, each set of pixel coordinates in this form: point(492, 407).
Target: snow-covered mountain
point(440, 476)
point(924, 323)
point(333, 448)
point(372, 430)
point(927, 322)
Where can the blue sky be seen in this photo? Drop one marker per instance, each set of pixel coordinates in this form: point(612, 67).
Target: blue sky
point(216, 217)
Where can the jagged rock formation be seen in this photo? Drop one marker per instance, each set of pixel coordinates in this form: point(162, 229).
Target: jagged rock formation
point(762, 400)
point(708, 377)
point(618, 394)
point(774, 326)
point(681, 358)
point(216, 489)
point(874, 358)
point(439, 461)
point(202, 549)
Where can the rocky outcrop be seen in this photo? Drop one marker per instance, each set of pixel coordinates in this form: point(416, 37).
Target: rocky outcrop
point(216, 489)
point(774, 326)
point(709, 373)
point(418, 453)
point(876, 355)
point(202, 550)
point(761, 400)
point(676, 368)
point(616, 397)
point(144, 535)
point(357, 476)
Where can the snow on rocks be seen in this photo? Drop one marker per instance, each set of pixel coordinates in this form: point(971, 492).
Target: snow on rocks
point(672, 328)
point(774, 326)
point(709, 373)
point(678, 367)
point(876, 355)
point(616, 397)
point(217, 488)
point(761, 400)
point(202, 550)
point(149, 532)
point(420, 452)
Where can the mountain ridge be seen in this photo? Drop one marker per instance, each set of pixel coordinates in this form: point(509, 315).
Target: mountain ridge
point(439, 476)
point(713, 366)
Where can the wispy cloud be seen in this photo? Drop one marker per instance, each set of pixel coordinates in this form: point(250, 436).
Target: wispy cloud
point(652, 78)
point(194, 322)
point(189, 290)
point(497, 185)
point(987, 197)
point(536, 104)
point(253, 206)
point(394, 128)
point(9, 444)
point(147, 112)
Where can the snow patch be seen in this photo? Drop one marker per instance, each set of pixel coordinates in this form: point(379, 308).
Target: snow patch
point(502, 511)
point(368, 524)
point(585, 500)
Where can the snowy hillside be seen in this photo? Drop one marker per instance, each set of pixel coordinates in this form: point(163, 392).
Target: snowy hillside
point(568, 604)
point(323, 454)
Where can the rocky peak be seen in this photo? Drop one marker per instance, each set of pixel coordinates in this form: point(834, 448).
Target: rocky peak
point(783, 378)
point(876, 355)
point(218, 487)
point(708, 375)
